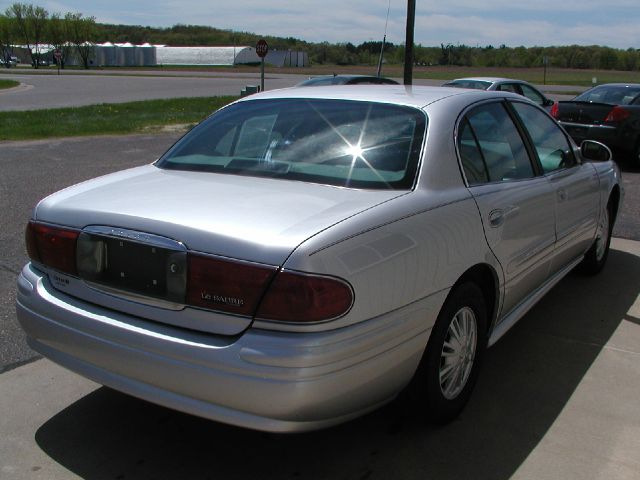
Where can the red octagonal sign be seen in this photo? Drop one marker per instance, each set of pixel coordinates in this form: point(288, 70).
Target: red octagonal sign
point(262, 48)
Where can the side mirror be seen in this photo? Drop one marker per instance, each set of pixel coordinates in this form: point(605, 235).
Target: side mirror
point(548, 102)
point(595, 151)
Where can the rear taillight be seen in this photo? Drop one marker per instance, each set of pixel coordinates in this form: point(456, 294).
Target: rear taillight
point(617, 114)
point(226, 285)
point(238, 287)
point(53, 247)
point(555, 111)
point(299, 297)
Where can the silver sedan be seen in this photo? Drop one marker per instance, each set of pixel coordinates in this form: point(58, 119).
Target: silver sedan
point(503, 85)
point(304, 256)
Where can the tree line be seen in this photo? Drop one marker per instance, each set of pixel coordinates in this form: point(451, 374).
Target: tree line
point(367, 53)
point(33, 27)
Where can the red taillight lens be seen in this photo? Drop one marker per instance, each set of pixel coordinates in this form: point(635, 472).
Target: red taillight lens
point(226, 285)
point(555, 111)
point(52, 246)
point(299, 297)
point(617, 114)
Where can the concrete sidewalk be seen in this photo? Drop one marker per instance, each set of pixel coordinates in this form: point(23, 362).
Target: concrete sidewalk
point(558, 398)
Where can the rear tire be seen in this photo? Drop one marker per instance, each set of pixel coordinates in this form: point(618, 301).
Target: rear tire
point(596, 256)
point(450, 365)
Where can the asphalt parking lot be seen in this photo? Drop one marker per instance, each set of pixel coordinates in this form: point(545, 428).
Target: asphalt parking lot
point(557, 398)
point(46, 90)
point(52, 91)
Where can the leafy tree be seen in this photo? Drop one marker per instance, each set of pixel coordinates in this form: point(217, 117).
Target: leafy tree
point(82, 34)
point(7, 37)
point(58, 33)
point(30, 23)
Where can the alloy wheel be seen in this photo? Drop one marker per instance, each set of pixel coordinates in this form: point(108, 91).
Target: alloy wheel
point(458, 353)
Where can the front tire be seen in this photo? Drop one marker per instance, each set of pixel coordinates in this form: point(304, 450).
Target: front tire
point(451, 362)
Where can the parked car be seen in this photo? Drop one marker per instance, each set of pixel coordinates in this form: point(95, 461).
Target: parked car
point(503, 85)
point(303, 256)
point(609, 113)
point(325, 80)
point(9, 61)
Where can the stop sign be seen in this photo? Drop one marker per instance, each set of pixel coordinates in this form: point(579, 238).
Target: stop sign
point(262, 48)
point(57, 54)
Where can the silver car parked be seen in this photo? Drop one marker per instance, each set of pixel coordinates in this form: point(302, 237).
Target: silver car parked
point(503, 85)
point(303, 256)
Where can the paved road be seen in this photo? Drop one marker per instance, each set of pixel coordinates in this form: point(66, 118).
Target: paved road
point(52, 91)
point(45, 90)
point(29, 172)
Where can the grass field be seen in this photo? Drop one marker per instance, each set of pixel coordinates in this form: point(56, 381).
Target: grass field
point(8, 84)
point(554, 76)
point(121, 118)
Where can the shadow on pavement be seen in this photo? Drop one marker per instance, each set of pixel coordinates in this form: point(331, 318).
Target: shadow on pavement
point(527, 380)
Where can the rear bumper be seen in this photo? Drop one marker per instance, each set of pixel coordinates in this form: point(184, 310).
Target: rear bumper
point(271, 381)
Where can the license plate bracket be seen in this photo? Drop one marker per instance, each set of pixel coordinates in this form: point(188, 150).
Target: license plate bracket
point(145, 269)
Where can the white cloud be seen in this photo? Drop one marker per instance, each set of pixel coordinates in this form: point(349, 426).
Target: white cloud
point(475, 30)
point(512, 22)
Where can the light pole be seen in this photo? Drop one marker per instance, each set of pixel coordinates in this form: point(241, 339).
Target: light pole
point(408, 44)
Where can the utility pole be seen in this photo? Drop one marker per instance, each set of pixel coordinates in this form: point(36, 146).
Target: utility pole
point(408, 44)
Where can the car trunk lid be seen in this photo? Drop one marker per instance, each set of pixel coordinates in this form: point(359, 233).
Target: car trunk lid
point(146, 220)
point(587, 113)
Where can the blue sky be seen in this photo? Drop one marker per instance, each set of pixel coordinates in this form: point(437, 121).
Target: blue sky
point(614, 23)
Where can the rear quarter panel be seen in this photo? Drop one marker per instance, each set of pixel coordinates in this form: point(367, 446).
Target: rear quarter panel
point(400, 253)
point(412, 247)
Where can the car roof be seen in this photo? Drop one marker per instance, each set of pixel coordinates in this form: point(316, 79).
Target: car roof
point(410, 95)
point(618, 85)
point(342, 79)
point(489, 79)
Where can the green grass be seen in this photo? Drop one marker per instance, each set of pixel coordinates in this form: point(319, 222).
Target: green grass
point(8, 84)
point(107, 119)
point(555, 76)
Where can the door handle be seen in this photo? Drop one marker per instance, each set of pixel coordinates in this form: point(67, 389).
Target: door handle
point(562, 194)
point(496, 217)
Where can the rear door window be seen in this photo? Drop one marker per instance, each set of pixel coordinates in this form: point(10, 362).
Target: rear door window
point(510, 87)
point(500, 153)
point(532, 94)
point(552, 147)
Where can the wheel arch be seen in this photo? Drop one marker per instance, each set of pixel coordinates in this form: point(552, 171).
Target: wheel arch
point(486, 278)
point(614, 199)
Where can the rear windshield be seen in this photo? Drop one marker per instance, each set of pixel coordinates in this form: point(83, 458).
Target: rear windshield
point(612, 94)
point(334, 142)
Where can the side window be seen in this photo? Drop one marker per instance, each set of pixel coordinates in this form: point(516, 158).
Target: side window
point(510, 87)
point(533, 95)
point(472, 162)
point(503, 151)
point(552, 147)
